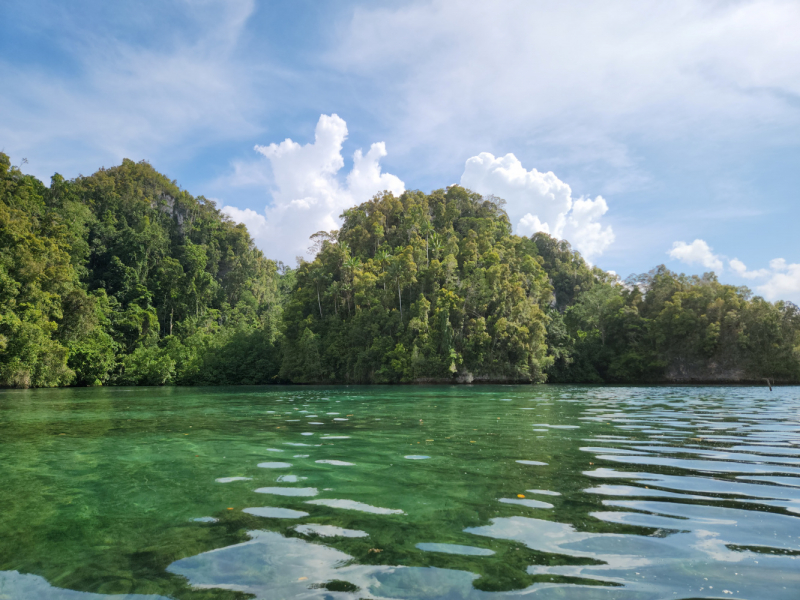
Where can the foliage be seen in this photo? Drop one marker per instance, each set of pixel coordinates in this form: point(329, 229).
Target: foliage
point(123, 278)
point(35, 272)
point(661, 326)
point(420, 287)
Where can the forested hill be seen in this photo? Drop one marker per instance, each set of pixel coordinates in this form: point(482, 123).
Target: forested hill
point(435, 287)
point(123, 278)
point(421, 287)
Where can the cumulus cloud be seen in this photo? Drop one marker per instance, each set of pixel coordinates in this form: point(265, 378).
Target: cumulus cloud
point(696, 253)
point(778, 264)
point(308, 196)
point(540, 202)
point(784, 281)
point(741, 270)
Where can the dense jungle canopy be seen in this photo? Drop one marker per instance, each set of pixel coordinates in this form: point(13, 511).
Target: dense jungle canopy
point(123, 278)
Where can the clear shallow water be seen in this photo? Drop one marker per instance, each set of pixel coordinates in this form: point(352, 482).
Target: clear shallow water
point(422, 493)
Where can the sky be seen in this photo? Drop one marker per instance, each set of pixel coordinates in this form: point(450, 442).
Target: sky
point(643, 133)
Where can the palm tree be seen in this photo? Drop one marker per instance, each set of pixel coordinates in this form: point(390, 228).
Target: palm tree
point(436, 244)
point(351, 264)
point(344, 251)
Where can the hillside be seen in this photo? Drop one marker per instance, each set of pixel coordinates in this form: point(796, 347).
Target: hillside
point(663, 327)
point(123, 278)
point(436, 288)
point(420, 288)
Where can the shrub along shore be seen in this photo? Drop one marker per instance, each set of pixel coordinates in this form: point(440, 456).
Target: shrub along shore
point(122, 278)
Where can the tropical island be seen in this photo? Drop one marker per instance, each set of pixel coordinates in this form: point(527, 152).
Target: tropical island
point(123, 278)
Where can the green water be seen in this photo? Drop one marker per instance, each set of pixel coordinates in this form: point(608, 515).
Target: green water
point(400, 492)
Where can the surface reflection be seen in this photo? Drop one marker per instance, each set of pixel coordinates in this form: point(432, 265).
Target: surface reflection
point(409, 493)
point(14, 586)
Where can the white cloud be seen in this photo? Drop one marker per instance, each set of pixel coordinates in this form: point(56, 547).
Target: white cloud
point(540, 202)
point(131, 97)
point(740, 269)
point(698, 252)
point(577, 71)
point(307, 195)
point(778, 264)
point(782, 278)
point(784, 281)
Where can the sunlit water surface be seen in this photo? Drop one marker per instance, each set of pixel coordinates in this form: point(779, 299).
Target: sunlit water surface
point(630, 493)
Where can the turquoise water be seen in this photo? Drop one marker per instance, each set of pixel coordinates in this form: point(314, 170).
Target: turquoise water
point(476, 492)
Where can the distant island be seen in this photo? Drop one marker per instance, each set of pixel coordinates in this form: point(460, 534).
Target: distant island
point(122, 278)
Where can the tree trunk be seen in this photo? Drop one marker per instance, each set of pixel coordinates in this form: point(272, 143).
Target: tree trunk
point(319, 302)
point(427, 259)
point(400, 297)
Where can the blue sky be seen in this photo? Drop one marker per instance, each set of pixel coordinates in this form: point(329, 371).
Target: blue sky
point(644, 133)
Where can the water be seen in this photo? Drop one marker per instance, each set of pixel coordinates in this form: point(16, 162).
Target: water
point(400, 492)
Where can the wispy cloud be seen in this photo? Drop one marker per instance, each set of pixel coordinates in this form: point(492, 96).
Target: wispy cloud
point(123, 98)
point(584, 82)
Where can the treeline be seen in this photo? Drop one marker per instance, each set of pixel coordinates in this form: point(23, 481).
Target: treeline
point(123, 278)
point(436, 287)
